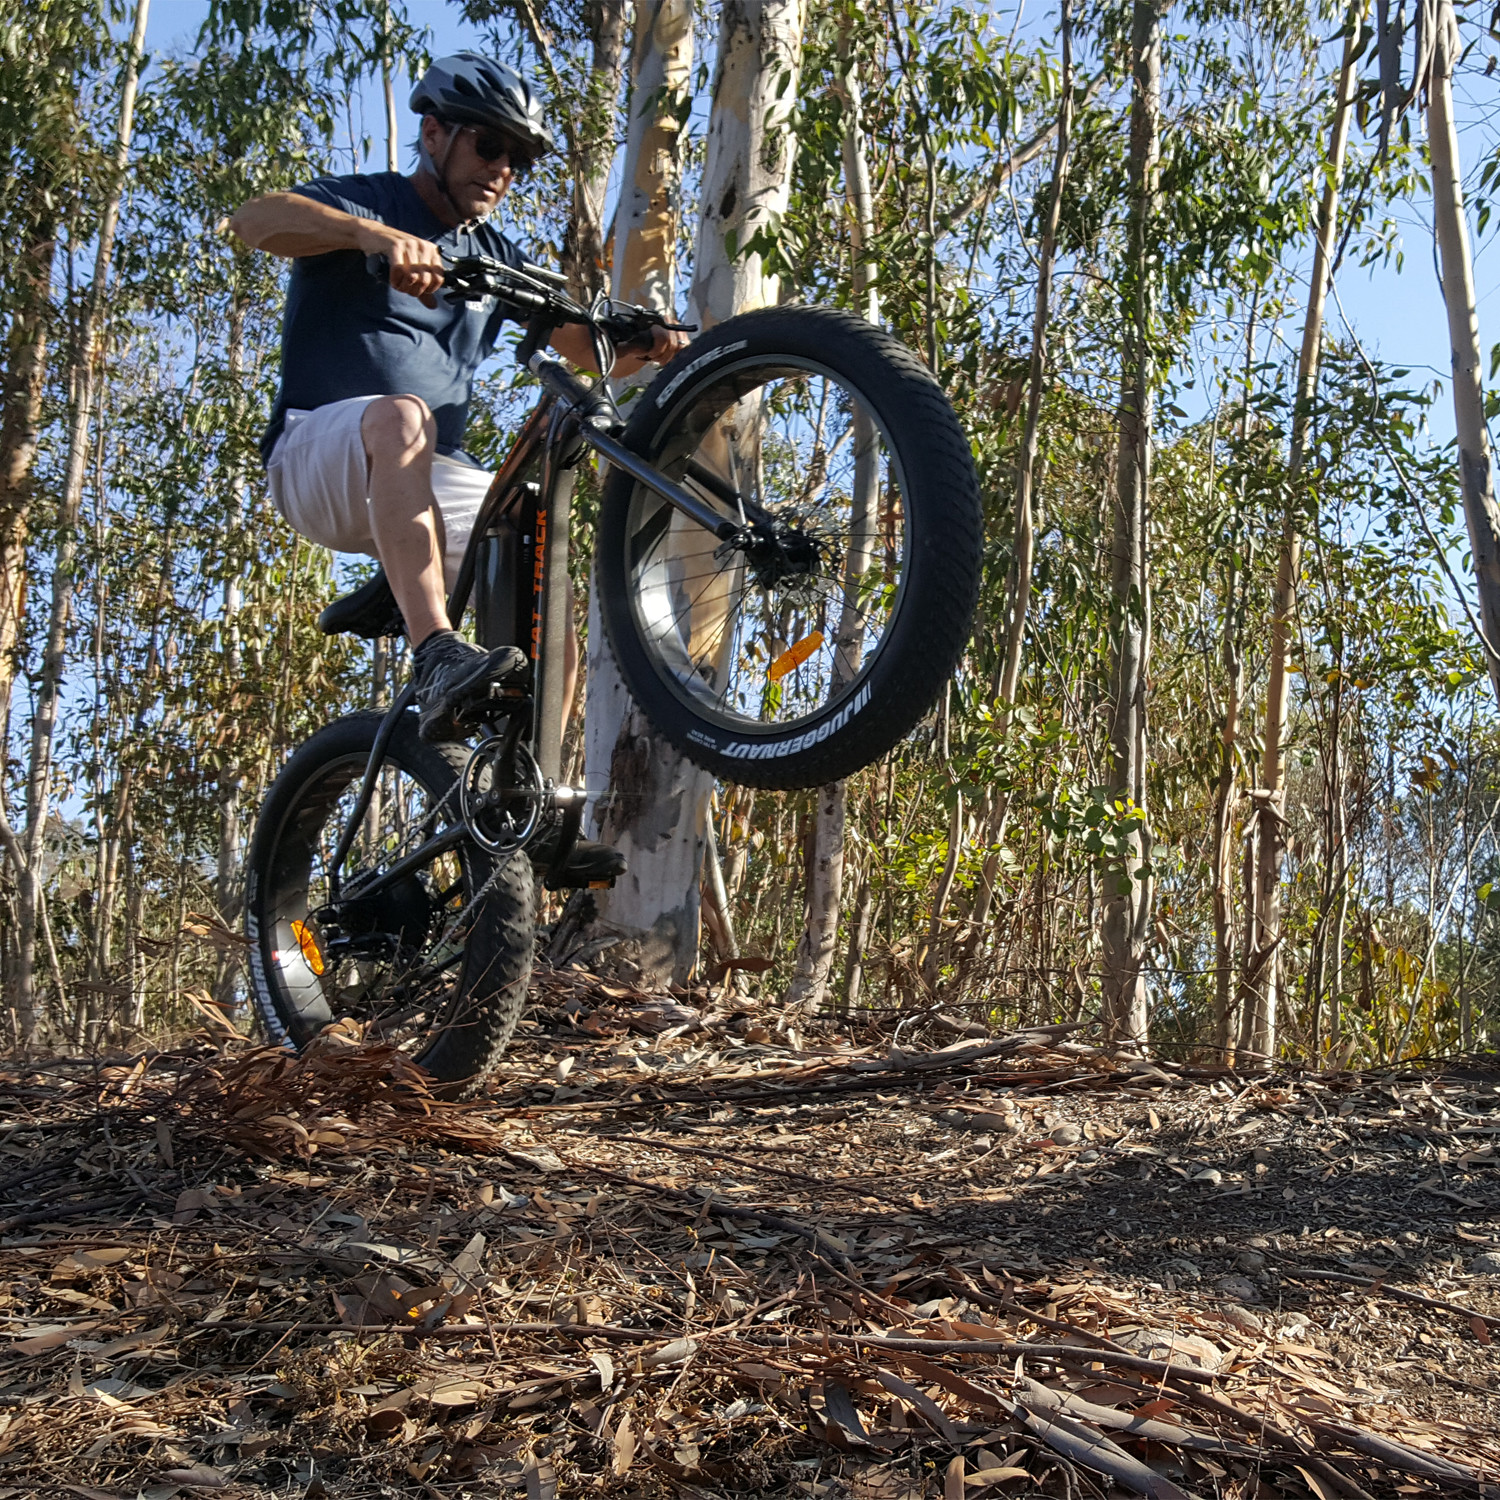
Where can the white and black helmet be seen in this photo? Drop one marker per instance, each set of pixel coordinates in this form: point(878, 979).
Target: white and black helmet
point(467, 89)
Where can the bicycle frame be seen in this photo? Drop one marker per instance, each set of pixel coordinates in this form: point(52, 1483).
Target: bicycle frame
point(522, 531)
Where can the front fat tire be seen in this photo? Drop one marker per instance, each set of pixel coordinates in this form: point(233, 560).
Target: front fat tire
point(931, 628)
point(479, 1017)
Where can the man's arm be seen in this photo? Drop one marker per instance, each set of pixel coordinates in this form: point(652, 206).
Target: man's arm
point(291, 225)
point(576, 345)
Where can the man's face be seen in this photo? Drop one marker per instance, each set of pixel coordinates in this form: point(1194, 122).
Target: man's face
point(475, 184)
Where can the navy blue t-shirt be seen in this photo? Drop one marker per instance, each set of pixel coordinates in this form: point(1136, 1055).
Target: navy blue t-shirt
point(348, 333)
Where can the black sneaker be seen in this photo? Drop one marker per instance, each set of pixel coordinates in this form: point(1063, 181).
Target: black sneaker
point(452, 675)
point(589, 864)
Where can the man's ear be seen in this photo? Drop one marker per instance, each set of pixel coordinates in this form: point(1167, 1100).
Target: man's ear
point(434, 135)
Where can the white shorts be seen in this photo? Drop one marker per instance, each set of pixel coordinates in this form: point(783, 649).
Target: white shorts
point(319, 477)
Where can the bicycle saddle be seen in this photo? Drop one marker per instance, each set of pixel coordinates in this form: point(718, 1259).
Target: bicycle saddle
point(370, 611)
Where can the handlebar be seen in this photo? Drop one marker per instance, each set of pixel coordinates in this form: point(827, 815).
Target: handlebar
point(543, 293)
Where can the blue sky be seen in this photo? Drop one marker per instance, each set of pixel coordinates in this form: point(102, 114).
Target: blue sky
point(1398, 315)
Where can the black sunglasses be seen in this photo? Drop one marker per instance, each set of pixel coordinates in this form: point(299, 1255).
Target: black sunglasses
point(491, 145)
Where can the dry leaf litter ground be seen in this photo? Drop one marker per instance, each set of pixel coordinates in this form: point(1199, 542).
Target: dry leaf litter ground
point(674, 1255)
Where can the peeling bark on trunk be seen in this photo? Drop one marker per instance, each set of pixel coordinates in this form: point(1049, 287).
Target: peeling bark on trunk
point(1128, 889)
point(593, 141)
point(656, 808)
point(1261, 983)
point(21, 387)
point(747, 173)
point(1476, 472)
point(645, 798)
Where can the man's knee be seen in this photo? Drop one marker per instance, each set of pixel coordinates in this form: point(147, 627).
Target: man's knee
point(398, 427)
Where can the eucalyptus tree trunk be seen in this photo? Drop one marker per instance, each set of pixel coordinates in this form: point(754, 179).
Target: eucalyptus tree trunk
point(819, 941)
point(593, 141)
point(747, 173)
point(1262, 974)
point(21, 386)
point(228, 879)
point(639, 788)
point(657, 806)
point(1128, 890)
point(1476, 474)
point(388, 89)
point(1232, 657)
point(1023, 543)
point(44, 721)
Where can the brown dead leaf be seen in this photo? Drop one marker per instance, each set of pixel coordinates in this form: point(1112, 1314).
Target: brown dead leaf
point(385, 1421)
point(198, 1477)
point(53, 1338)
point(132, 1341)
point(669, 1354)
point(541, 1480)
point(953, 1479)
point(1320, 1487)
point(623, 1447)
point(189, 1204)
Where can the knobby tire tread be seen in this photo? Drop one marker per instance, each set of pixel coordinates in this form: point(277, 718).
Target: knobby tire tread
point(946, 541)
point(471, 1034)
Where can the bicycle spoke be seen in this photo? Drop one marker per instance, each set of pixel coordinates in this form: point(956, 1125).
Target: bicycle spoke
point(775, 636)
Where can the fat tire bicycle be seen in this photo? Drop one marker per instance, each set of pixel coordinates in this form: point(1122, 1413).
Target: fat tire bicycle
point(787, 554)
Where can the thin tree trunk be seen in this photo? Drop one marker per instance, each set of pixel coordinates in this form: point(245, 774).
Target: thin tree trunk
point(231, 780)
point(1233, 657)
point(819, 941)
point(1023, 547)
point(1476, 473)
point(718, 893)
point(1262, 973)
point(21, 387)
point(388, 88)
point(44, 722)
point(1127, 908)
point(859, 936)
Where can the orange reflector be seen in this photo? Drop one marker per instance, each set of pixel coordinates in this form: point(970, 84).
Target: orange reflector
point(309, 946)
point(795, 656)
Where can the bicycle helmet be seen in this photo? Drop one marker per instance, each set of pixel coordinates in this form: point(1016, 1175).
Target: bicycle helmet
point(467, 89)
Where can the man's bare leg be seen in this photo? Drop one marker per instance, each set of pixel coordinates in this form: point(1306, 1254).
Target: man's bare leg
point(400, 439)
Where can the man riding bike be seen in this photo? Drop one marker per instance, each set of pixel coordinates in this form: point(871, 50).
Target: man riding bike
point(364, 449)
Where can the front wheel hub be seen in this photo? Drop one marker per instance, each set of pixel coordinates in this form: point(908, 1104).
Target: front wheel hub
point(778, 552)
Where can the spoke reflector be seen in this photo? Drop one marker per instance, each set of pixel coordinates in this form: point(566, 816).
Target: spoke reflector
point(309, 946)
point(790, 659)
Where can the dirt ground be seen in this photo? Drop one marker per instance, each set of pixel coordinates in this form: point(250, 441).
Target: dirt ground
point(676, 1254)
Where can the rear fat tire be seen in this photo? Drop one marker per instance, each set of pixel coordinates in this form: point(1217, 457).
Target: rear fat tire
point(926, 636)
point(483, 1006)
